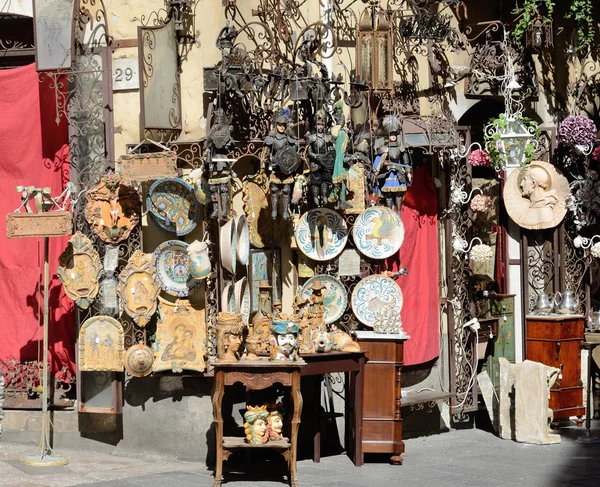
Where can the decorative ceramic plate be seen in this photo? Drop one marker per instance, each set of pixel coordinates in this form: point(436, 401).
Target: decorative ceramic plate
point(228, 299)
point(243, 239)
point(242, 299)
point(138, 360)
point(321, 234)
point(373, 293)
point(173, 206)
point(378, 232)
point(336, 299)
point(171, 262)
point(228, 245)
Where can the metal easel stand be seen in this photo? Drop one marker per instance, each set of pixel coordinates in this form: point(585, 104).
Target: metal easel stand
point(44, 456)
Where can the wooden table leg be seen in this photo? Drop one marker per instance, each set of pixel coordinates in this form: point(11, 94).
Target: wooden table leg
point(297, 402)
point(316, 402)
point(359, 387)
point(217, 401)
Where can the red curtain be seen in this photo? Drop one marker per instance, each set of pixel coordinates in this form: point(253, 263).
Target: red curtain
point(33, 152)
point(419, 255)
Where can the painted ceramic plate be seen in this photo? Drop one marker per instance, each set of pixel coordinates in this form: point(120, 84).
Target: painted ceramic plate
point(243, 240)
point(242, 299)
point(173, 206)
point(378, 232)
point(228, 245)
point(336, 299)
point(373, 293)
point(321, 234)
point(138, 360)
point(171, 262)
point(228, 299)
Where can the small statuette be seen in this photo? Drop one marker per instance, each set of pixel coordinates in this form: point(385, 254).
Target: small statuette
point(229, 337)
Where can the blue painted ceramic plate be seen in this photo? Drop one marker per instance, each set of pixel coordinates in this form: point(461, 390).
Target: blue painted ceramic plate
point(378, 232)
point(373, 293)
point(321, 234)
point(336, 298)
point(173, 206)
point(171, 262)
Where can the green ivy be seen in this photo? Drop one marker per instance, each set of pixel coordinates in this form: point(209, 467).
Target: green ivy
point(530, 10)
point(491, 137)
point(581, 11)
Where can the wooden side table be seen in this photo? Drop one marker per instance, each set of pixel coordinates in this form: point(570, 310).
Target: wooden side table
point(257, 375)
point(555, 340)
point(382, 420)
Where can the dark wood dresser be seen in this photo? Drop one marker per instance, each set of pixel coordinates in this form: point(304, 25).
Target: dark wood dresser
point(382, 399)
point(555, 340)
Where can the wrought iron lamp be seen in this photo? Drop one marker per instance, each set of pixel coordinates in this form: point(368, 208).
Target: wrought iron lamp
point(374, 47)
point(539, 33)
point(514, 138)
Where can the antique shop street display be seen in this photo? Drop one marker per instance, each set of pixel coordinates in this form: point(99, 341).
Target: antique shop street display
point(371, 294)
point(112, 209)
point(536, 196)
point(321, 234)
point(173, 206)
point(138, 288)
point(171, 261)
point(79, 270)
point(101, 345)
point(378, 232)
point(181, 336)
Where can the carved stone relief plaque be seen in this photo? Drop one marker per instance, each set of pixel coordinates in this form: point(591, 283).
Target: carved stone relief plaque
point(101, 345)
point(180, 337)
point(79, 270)
point(51, 224)
point(536, 196)
point(138, 288)
point(112, 209)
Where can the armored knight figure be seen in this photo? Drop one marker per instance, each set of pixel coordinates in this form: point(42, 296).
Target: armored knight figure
point(219, 143)
point(340, 171)
point(321, 156)
point(393, 166)
point(283, 162)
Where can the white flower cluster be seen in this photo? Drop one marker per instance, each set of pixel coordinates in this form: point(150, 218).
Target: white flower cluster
point(595, 250)
point(481, 253)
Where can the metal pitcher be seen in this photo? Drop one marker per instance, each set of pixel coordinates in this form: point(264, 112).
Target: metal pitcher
point(543, 305)
point(566, 303)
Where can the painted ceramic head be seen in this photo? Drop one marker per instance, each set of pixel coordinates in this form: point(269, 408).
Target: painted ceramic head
point(275, 422)
point(284, 340)
point(255, 424)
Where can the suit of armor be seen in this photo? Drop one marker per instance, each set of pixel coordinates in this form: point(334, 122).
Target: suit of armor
point(219, 144)
point(321, 156)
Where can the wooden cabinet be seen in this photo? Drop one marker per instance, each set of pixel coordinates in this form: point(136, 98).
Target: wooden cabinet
point(555, 340)
point(382, 399)
point(500, 310)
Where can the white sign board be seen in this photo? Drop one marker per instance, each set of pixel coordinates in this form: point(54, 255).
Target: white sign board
point(126, 74)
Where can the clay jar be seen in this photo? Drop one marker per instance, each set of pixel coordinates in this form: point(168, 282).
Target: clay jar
point(199, 261)
point(323, 341)
point(229, 336)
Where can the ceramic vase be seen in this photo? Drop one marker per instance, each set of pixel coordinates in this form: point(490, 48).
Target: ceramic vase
point(199, 261)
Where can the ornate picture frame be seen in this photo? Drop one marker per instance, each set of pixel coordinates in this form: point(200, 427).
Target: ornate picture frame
point(101, 345)
point(112, 209)
point(138, 288)
point(79, 270)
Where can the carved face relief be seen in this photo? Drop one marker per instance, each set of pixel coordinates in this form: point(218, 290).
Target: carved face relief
point(112, 209)
point(79, 270)
point(138, 288)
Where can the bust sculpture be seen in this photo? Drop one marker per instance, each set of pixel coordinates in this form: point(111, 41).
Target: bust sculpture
point(255, 424)
point(284, 340)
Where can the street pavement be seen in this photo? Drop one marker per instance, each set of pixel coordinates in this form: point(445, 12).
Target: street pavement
point(470, 457)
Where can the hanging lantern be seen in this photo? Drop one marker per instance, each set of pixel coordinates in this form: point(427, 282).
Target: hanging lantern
point(539, 33)
point(514, 138)
point(374, 49)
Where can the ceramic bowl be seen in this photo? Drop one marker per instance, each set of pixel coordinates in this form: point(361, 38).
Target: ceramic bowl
point(228, 299)
point(138, 360)
point(242, 299)
point(228, 246)
point(243, 240)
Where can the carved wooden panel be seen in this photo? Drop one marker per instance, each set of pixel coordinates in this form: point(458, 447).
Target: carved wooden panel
point(148, 167)
point(52, 224)
point(258, 381)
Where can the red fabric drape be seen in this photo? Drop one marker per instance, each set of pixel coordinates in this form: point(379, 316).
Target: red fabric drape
point(33, 152)
point(420, 256)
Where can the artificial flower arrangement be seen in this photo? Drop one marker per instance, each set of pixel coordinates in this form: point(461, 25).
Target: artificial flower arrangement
point(577, 130)
point(595, 250)
point(481, 203)
point(481, 253)
point(479, 157)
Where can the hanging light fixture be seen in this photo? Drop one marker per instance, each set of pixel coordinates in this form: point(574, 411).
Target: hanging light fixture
point(539, 33)
point(514, 138)
point(374, 47)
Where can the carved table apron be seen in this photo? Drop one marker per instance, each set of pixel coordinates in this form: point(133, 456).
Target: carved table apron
point(257, 375)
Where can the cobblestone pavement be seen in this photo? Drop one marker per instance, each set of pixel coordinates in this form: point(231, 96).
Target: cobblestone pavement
point(458, 458)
